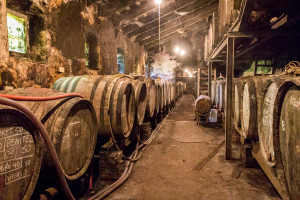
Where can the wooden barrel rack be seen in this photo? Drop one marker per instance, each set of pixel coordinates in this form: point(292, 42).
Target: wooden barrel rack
point(269, 115)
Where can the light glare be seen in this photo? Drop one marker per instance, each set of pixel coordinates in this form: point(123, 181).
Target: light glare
point(182, 52)
point(177, 49)
point(158, 1)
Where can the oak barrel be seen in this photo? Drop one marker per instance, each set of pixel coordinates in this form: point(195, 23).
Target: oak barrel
point(113, 98)
point(20, 155)
point(203, 104)
point(140, 89)
point(159, 95)
point(251, 111)
point(72, 127)
point(151, 97)
point(237, 103)
point(289, 136)
point(173, 92)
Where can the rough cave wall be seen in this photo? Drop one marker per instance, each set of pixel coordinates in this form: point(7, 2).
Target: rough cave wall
point(134, 55)
point(57, 35)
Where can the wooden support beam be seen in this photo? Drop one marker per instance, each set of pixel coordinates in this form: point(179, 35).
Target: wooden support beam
point(198, 83)
point(209, 78)
point(228, 102)
point(169, 16)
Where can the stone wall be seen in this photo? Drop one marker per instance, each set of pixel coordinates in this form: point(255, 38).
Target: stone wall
point(58, 31)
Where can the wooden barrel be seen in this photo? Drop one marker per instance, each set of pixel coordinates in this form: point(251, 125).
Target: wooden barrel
point(164, 93)
point(237, 103)
point(140, 89)
point(72, 127)
point(173, 92)
point(251, 106)
point(266, 130)
point(151, 97)
point(289, 137)
point(113, 98)
point(20, 155)
point(203, 104)
point(159, 95)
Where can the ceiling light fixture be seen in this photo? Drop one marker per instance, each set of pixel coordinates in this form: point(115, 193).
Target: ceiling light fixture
point(158, 2)
point(177, 49)
point(182, 52)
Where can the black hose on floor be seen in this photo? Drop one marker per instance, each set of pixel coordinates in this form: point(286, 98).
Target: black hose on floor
point(41, 129)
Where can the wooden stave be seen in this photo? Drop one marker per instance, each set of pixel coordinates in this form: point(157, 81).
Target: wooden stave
point(255, 113)
point(49, 112)
point(238, 87)
point(285, 83)
point(151, 97)
point(289, 143)
point(27, 184)
point(173, 92)
point(160, 91)
point(140, 99)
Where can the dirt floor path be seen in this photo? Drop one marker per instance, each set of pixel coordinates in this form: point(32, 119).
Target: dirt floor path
point(172, 166)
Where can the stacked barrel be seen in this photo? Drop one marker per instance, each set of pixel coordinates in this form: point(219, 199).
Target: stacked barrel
point(71, 125)
point(114, 108)
point(266, 114)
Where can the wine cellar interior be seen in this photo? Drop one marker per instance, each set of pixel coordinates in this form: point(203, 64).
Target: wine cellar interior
point(149, 99)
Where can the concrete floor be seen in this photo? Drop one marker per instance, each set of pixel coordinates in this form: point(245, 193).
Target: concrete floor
point(170, 168)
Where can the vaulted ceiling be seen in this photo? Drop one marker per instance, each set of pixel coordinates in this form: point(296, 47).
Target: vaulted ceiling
point(139, 19)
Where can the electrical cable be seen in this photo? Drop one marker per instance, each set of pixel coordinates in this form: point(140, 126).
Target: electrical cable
point(41, 129)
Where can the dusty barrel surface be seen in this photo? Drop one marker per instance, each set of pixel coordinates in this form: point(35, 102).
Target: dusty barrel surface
point(164, 93)
point(173, 92)
point(237, 103)
point(71, 125)
point(203, 104)
point(251, 112)
point(20, 155)
point(140, 100)
point(113, 98)
point(289, 136)
point(159, 95)
point(151, 97)
point(266, 129)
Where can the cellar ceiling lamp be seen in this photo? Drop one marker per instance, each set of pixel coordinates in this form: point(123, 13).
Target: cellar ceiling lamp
point(177, 49)
point(186, 70)
point(158, 1)
point(182, 52)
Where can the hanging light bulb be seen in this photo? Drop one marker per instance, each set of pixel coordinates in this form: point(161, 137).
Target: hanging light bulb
point(186, 70)
point(158, 1)
point(177, 49)
point(182, 52)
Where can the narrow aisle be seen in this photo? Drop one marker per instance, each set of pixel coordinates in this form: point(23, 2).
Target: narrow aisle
point(170, 168)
